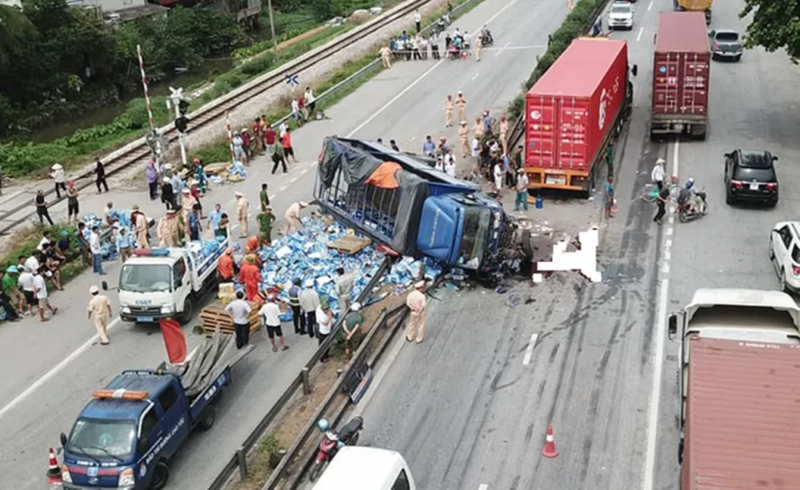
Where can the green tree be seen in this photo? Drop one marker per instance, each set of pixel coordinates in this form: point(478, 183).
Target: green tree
point(14, 29)
point(775, 25)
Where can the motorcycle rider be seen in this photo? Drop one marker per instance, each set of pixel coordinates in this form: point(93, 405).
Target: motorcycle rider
point(486, 36)
point(687, 196)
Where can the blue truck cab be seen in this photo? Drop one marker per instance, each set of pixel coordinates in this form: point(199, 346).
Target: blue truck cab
point(125, 436)
point(399, 200)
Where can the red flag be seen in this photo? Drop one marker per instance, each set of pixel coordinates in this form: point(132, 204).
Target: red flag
point(173, 340)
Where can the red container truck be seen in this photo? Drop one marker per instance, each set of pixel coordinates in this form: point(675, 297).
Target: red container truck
point(681, 69)
point(574, 111)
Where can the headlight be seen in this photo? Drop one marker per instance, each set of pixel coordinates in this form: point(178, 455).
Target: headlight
point(168, 309)
point(126, 478)
point(126, 309)
point(65, 476)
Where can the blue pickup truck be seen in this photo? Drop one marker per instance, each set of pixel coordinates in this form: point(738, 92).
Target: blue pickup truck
point(125, 436)
point(400, 201)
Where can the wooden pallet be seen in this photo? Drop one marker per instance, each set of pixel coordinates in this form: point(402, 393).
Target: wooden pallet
point(349, 244)
point(214, 316)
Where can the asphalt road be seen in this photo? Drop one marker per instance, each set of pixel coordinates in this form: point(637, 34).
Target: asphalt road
point(52, 368)
point(470, 406)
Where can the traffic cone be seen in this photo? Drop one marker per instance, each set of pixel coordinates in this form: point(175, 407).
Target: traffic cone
point(53, 472)
point(550, 450)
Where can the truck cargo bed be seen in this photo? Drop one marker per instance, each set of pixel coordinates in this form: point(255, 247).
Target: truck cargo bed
point(741, 426)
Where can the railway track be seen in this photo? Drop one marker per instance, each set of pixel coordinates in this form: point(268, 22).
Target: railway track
point(213, 112)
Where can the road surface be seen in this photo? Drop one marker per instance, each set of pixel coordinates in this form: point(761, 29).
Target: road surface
point(470, 406)
point(53, 368)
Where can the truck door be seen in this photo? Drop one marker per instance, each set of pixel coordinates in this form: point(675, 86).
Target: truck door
point(146, 442)
point(181, 283)
point(173, 406)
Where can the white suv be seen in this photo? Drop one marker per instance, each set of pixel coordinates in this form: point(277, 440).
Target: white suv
point(620, 16)
point(784, 252)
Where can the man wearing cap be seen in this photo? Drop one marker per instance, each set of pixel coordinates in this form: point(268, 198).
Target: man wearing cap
point(309, 302)
point(292, 217)
point(242, 207)
point(265, 221)
point(250, 277)
point(72, 202)
point(324, 317)
point(167, 230)
point(215, 218)
point(263, 196)
point(9, 294)
point(463, 135)
point(271, 316)
point(344, 288)
point(226, 268)
point(478, 129)
point(124, 247)
point(142, 235)
point(448, 111)
point(100, 311)
point(240, 310)
point(461, 103)
point(168, 194)
point(522, 190)
point(58, 178)
point(416, 302)
point(187, 203)
point(298, 318)
point(352, 323)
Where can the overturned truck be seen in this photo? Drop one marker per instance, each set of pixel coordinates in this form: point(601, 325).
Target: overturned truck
point(399, 201)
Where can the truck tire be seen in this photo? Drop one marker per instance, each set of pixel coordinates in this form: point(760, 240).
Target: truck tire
point(188, 311)
point(208, 417)
point(160, 476)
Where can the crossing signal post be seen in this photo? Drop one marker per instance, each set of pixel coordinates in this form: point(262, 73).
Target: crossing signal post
point(181, 106)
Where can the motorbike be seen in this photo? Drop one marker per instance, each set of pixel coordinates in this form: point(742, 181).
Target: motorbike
point(695, 207)
point(487, 38)
point(332, 441)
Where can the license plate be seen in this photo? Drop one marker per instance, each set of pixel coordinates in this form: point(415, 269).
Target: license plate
point(754, 186)
point(556, 179)
point(144, 319)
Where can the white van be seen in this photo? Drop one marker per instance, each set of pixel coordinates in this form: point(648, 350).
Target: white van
point(366, 468)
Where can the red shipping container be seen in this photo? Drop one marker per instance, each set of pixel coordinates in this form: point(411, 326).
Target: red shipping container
point(571, 111)
point(681, 68)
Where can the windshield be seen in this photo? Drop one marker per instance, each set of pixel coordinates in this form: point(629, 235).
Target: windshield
point(620, 9)
point(102, 438)
point(727, 36)
point(473, 241)
point(145, 278)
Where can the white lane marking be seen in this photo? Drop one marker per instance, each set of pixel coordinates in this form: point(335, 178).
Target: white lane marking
point(275, 195)
point(303, 171)
point(655, 394)
point(529, 350)
point(675, 157)
point(376, 381)
point(56, 369)
point(665, 269)
point(669, 231)
point(667, 255)
point(671, 220)
point(639, 36)
point(668, 244)
point(474, 76)
point(500, 51)
point(419, 79)
point(282, 188)
point(650, 6)
point(483, 487)
point(291, 181)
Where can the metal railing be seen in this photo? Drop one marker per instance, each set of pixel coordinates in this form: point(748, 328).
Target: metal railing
point(300, 382)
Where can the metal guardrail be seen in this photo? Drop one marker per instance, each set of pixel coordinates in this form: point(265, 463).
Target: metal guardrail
point(215, 110)
point(301, 381)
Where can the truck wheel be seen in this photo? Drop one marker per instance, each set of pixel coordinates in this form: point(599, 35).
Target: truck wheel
point(208, 417)
point(188, 311)
point(160, 476)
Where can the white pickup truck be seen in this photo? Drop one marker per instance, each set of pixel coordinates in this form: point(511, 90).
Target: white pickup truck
point(166, 282)
point(366, 468)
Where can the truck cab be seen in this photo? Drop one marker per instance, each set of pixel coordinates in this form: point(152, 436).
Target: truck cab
point(123, 438)
point(166, 282)
point(366, 468)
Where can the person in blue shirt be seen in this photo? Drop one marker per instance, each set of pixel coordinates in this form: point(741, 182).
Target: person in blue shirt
point(429, 147)
point(177, 188)
point(63, 243)
point(214, 218)
point(194, 223)
point(609, 197)
point(124, 244)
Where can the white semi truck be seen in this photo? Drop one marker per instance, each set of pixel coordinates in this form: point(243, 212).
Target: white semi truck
point(167, 282)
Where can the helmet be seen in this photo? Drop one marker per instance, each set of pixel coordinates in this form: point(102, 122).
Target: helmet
point(689, 183)
point(323, 425)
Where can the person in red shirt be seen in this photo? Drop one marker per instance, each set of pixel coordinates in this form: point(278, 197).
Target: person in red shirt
point(286, 142)
point(270, 137)
point(250, 277)
point(246, 142)
point(226, 267)
point(195, 193)
point(257, 135)
point(301, 103)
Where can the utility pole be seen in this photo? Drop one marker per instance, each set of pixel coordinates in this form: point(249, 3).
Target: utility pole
point(153, 138)
point(181, 105)
point(272, 27)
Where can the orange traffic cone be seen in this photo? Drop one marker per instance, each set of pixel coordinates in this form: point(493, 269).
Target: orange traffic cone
point(53, 472)
point(550, 450)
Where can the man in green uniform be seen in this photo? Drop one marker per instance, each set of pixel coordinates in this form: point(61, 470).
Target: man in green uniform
point(264, 197)
point(265, 221)
point(352, 324)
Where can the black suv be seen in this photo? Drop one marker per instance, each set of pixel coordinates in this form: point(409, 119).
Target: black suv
point(750, 176)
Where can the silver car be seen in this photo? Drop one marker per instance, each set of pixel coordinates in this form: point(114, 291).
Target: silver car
point(726, 45)
point(620, 16)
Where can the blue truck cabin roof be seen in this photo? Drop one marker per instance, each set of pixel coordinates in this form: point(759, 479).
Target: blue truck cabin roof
point(114, 408)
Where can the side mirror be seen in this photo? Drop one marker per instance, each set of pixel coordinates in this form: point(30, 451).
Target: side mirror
point(104, 285)
point(63, 440)
point(672, 329)
point(728, 155)
point(774, 158)
point(635, 70)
